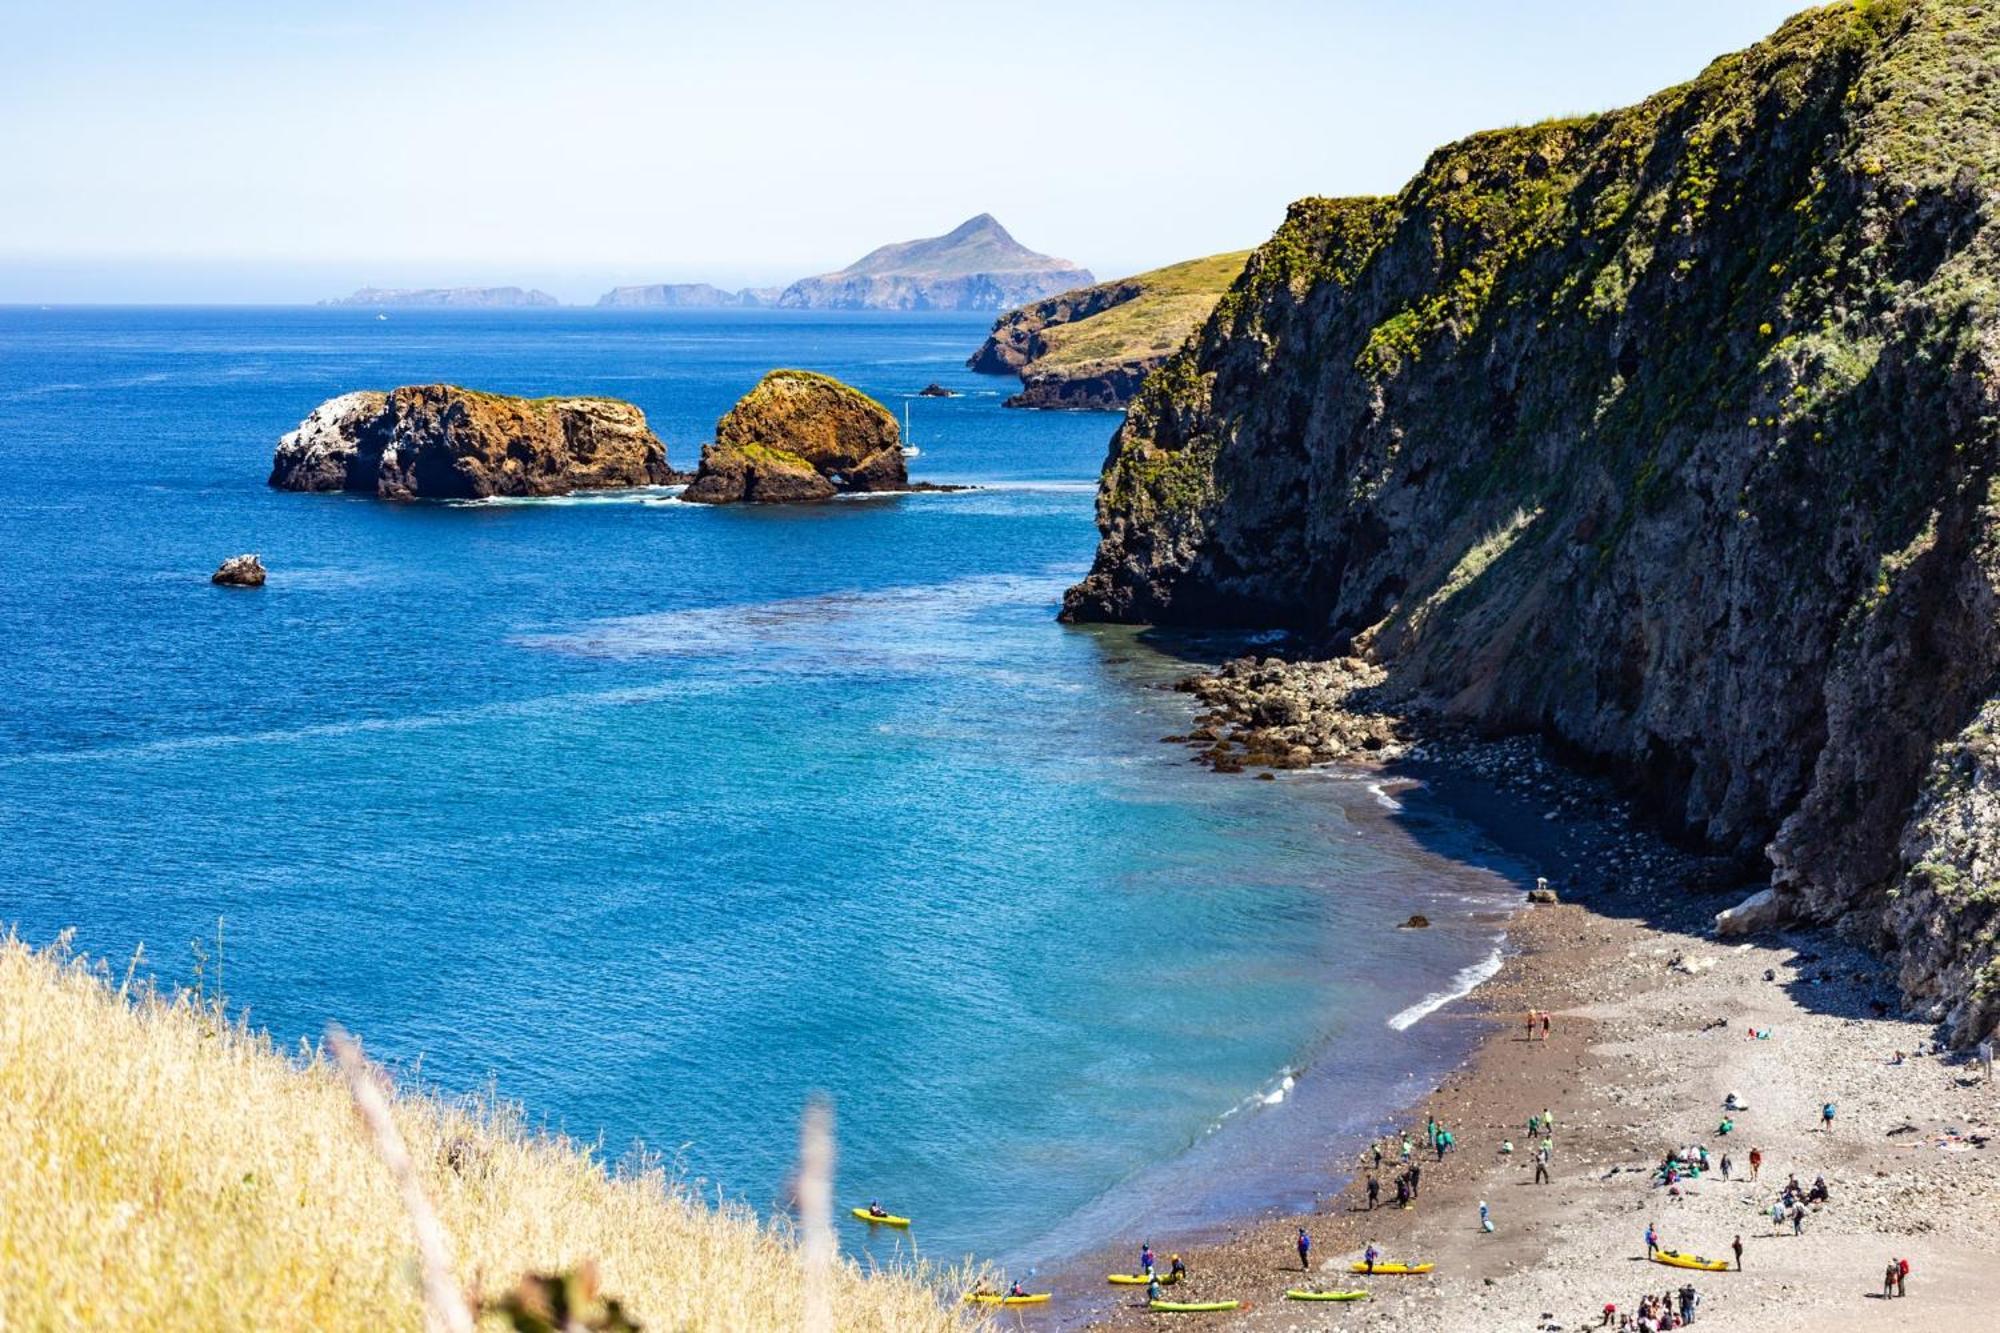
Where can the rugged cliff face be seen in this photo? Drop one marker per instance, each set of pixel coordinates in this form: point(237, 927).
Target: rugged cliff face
point(1669, 432)
point(800, 436)
point(438, 441)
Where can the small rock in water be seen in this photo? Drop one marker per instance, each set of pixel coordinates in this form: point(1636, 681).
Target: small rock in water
point(240, 571)
point(1417, 921)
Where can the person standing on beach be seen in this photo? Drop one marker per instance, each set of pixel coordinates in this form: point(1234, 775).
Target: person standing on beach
point(1531, 1025)
point(1542, 1165)
point(1369, 1256)
point(1416, 1177)
point(1756, 1161)
point(1374, 1190)
point(1826, 1117)
point(1305, 1249)
point(1431, 1130)
point(1737, 1245)
point(1725, 1166)
point(1146, 1258)
point(1545, 1025)
point(1889, 1276)
point(1986, 1057)
point(1652, 1238)
point(1902, 1274)
point(1406, 1150)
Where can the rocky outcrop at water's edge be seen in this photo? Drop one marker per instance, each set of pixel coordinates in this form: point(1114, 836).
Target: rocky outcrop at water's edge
point(439, 441)
point(800, 436)
point(240, 571)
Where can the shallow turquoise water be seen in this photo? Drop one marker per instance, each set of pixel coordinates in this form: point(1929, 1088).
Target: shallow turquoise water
point(663, 817)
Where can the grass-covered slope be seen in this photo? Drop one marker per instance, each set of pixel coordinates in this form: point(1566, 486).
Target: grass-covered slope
point(1669, 431)
point(163, 1169)
point(1091, 347)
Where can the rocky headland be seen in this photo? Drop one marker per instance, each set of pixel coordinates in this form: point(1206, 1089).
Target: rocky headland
point(975, 266)
point(1668, 434)
point(467, 297)
point(800, 436)
point(1091, 347)
point(443, 442)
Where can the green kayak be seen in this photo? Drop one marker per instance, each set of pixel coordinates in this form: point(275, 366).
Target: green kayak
point(1297, 1295)
point(1190, 1307)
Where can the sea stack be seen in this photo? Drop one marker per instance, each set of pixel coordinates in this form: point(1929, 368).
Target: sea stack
point(240, 571)
point(439, 441)
point(800, 436)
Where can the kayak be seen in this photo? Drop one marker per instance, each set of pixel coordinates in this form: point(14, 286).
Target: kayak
point(1297, 1295)
point(1675, 1259)
point(1361, 1266)
point(888, 1220)
point(982, 1298)
point(1190, 1307)
point(1137, 1279)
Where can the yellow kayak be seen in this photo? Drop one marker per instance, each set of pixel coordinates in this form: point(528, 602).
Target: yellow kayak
point(1296, 1295)
point(1137, 1279)
point(1190, 1307)
point(983, 1298)
point(1361, 1266)
point(1675, 1259)
point(886, 1220)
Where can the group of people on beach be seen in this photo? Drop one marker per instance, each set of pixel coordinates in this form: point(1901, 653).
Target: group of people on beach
point(1438, 1139)
point(1667, 1310)
point(1538, 1018)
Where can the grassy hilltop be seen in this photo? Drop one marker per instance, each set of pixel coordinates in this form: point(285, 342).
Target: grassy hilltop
point(1091, 347)
point(162, 1169)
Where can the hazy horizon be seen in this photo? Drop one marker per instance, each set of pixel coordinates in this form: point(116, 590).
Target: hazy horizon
point(227, 155)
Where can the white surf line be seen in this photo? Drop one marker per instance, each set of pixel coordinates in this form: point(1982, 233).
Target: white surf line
point(1468, 979)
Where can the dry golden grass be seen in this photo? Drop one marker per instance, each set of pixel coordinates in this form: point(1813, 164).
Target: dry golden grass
point(1176, 300)
point(163, 1169)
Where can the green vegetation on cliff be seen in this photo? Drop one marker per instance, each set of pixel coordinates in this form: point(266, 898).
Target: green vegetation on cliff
point(1668, 431)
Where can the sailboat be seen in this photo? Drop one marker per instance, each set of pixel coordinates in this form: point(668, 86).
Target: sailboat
point(909, 450)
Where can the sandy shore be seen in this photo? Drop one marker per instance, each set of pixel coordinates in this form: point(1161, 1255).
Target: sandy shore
point(1650, 1033)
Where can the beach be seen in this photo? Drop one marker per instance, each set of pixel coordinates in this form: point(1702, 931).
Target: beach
point(1651, 1028)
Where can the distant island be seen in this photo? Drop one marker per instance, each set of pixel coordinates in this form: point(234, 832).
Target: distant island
point(690, 296)
point(470, 297)
point(1091, 347)
point(975, 266)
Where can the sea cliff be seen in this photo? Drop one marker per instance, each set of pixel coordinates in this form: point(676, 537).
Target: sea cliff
point(1669, 433)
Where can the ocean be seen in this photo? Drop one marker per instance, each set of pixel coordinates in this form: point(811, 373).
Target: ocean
point(658, 819)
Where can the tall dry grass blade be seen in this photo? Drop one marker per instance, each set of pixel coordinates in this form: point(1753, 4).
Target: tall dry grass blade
point(445, 1309)
point(815, 1195)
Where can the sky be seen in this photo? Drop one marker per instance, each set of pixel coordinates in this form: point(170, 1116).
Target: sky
point(162, 151)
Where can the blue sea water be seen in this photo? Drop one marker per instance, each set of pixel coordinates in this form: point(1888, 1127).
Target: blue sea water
point(660, 818)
